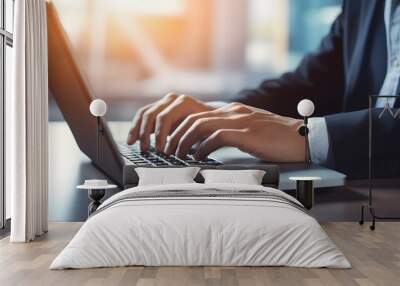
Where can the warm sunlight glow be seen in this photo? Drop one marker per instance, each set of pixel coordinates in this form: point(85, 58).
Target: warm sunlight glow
point(149, 7)
point(145, 48)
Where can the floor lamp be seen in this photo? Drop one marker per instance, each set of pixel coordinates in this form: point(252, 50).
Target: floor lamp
point(97, 188)
point(306, 108)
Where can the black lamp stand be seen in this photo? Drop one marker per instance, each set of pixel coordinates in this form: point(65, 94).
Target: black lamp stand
point(370, 205)
point(304, 131)
point(99, 132)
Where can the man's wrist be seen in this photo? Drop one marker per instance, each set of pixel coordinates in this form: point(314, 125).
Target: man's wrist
point(298, 141)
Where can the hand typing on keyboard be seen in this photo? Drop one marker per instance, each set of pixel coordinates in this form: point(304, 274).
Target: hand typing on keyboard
point(161, 118)
point(188, 122)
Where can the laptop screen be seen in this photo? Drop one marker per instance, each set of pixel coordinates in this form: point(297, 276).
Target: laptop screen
point(73, 97)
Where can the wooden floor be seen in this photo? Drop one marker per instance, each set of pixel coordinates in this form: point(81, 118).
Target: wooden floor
point(375, 257)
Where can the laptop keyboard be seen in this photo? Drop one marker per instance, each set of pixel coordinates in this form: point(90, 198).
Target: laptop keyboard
point(152, 158)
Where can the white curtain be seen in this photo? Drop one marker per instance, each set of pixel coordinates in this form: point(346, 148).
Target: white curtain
point(27, 123)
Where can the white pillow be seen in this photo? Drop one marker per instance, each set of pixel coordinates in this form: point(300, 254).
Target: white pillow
point(165, 176)
point(247, 177)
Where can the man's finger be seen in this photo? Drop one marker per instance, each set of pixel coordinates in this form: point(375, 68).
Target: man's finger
point(220, 138)
point(176, 136)
point(149, 120)
point(167, 120)
point(200, 130)
point(133, 134)
point(173, 115)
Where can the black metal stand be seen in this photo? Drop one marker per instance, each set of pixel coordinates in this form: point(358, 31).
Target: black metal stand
point(95, 195)
point(99, 132)
point(305, 193)
point(370, 206)
point(304, 131)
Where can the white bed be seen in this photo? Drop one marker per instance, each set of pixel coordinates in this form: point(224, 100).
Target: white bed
point(140, 227)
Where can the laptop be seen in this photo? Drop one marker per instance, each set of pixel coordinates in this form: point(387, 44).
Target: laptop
point(116, 159)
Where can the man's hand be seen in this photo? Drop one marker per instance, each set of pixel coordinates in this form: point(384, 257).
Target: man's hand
point(191, 122)
point(161, 118)
point(261, 133)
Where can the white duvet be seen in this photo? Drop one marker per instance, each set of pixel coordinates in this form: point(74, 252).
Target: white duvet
point(188, 231)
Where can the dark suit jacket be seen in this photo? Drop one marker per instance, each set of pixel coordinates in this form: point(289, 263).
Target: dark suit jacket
point(349, 65)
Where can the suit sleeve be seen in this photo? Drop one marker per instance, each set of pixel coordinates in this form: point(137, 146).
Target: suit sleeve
point(349, 143)
point(319, 77)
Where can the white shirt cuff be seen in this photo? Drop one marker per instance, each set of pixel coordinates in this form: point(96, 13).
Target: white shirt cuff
point(319, 141)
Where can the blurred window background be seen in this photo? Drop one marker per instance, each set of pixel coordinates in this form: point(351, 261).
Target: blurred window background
point(135, 50)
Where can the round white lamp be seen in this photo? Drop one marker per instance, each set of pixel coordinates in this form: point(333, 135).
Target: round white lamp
point(306, 108)
point(98, 108)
